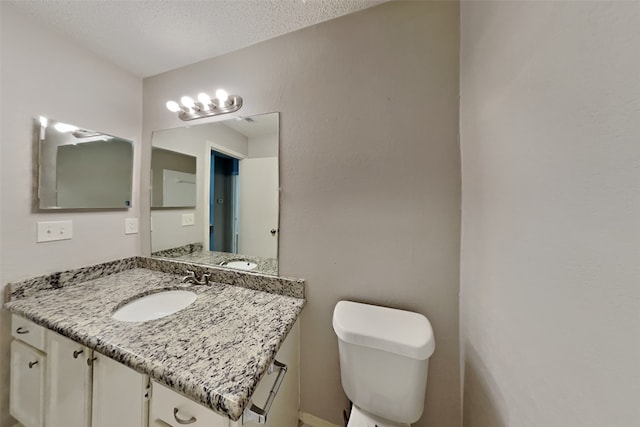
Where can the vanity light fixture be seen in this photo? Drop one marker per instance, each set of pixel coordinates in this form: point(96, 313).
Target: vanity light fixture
point(188, 109)
point(64, 128)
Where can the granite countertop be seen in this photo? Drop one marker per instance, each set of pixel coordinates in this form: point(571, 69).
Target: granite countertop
point(195, 253)
point(264, 265)
point(215, 351)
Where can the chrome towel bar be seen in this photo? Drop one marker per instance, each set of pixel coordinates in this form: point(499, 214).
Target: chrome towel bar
point(254, 414)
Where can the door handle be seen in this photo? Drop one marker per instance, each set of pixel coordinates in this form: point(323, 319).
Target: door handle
point(182, 420)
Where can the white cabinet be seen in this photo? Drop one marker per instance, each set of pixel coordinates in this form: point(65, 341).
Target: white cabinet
point(170, 409)
point(71, 385)
point(68, 383)
point(26, 397)
point(56, 382)
point(118, 394)
point(87, 389)
point(284, 411)
point(28, 332)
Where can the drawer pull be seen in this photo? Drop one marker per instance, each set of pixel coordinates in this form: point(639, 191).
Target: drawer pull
point(254, 414)
point(181, 420)
point(22, 331)
point(32, 364)
point(77, 353)
point(91, 360)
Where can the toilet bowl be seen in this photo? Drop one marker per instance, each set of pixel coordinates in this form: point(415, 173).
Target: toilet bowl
point(384, 360)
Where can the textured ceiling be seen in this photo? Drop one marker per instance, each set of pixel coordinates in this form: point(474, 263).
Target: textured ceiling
point(148, 37)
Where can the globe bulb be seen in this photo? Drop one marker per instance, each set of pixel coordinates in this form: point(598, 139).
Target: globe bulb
point(204, 99)
point(222, 96)
point(173, 106)
point(187, 102)
point(63, 127)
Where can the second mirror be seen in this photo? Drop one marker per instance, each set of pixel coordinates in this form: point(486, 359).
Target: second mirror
point(215, 193)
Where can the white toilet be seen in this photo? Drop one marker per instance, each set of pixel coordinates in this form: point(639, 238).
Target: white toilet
point(384, 358)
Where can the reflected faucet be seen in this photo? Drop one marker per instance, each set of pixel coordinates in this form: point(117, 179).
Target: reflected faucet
point(191, 278)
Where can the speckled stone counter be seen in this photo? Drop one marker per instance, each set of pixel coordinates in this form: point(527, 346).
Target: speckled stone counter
point(195, 254)
point(215, 351)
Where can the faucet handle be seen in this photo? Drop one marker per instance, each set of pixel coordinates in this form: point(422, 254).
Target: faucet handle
point(190, 277)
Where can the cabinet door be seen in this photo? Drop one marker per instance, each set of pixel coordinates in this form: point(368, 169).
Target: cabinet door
point(118, 394)
point(26, 398)
point(68, 383)
point(284, 411)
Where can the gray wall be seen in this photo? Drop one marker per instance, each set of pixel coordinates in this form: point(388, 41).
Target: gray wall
point(43, 73)
point(370, 174)
point(550, 301)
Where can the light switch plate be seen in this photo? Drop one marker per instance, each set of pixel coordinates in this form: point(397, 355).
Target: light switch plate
point(188, 219)
point(131, 226)
point(49, 231)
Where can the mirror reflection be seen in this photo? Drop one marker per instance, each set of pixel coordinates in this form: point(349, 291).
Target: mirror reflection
point(173, 179)
point(82, 169)
point(234, 221)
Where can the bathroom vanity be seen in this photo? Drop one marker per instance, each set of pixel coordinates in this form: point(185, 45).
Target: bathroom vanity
point(217, 362)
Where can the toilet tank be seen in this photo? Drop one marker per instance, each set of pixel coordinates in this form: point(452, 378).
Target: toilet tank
point(384, 359)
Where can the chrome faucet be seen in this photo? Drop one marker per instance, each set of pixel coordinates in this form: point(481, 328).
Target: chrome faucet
point(191, 278)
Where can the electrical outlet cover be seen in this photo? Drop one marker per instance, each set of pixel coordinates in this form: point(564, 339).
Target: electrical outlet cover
point(49, 231)
point(130, 225)
point(188, 219)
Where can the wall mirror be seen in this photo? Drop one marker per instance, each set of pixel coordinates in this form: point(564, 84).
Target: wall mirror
point(82, 169)
point(173, 179)
point(234, 221)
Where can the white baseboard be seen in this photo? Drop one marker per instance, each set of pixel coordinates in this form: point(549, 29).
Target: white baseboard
point(313, 421)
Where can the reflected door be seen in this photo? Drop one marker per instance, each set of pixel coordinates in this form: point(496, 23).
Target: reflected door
point(258, 193)
point(223, 203)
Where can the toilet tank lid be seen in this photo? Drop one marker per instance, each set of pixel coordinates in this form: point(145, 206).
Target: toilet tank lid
point(397, 331)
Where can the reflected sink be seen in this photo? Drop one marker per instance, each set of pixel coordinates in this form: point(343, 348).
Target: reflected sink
point(240, 265)
point(155, 306)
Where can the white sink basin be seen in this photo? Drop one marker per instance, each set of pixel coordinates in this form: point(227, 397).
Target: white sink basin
point(155, 306)
point(240, 265)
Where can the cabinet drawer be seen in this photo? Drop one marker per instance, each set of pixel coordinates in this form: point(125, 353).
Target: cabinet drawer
point(28, 332)
point(164, 403)
point(26, 399)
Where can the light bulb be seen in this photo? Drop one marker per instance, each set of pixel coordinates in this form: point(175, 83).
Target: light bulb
point(187, 102)
point(204, 99)
point(222, 97)
point(44, 122)
point(63, 127)
point(173, 106)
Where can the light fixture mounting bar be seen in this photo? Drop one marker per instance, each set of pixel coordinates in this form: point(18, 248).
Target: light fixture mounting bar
point(199, 111)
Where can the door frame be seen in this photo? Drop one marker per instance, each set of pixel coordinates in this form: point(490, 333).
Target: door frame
point(209, 147)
